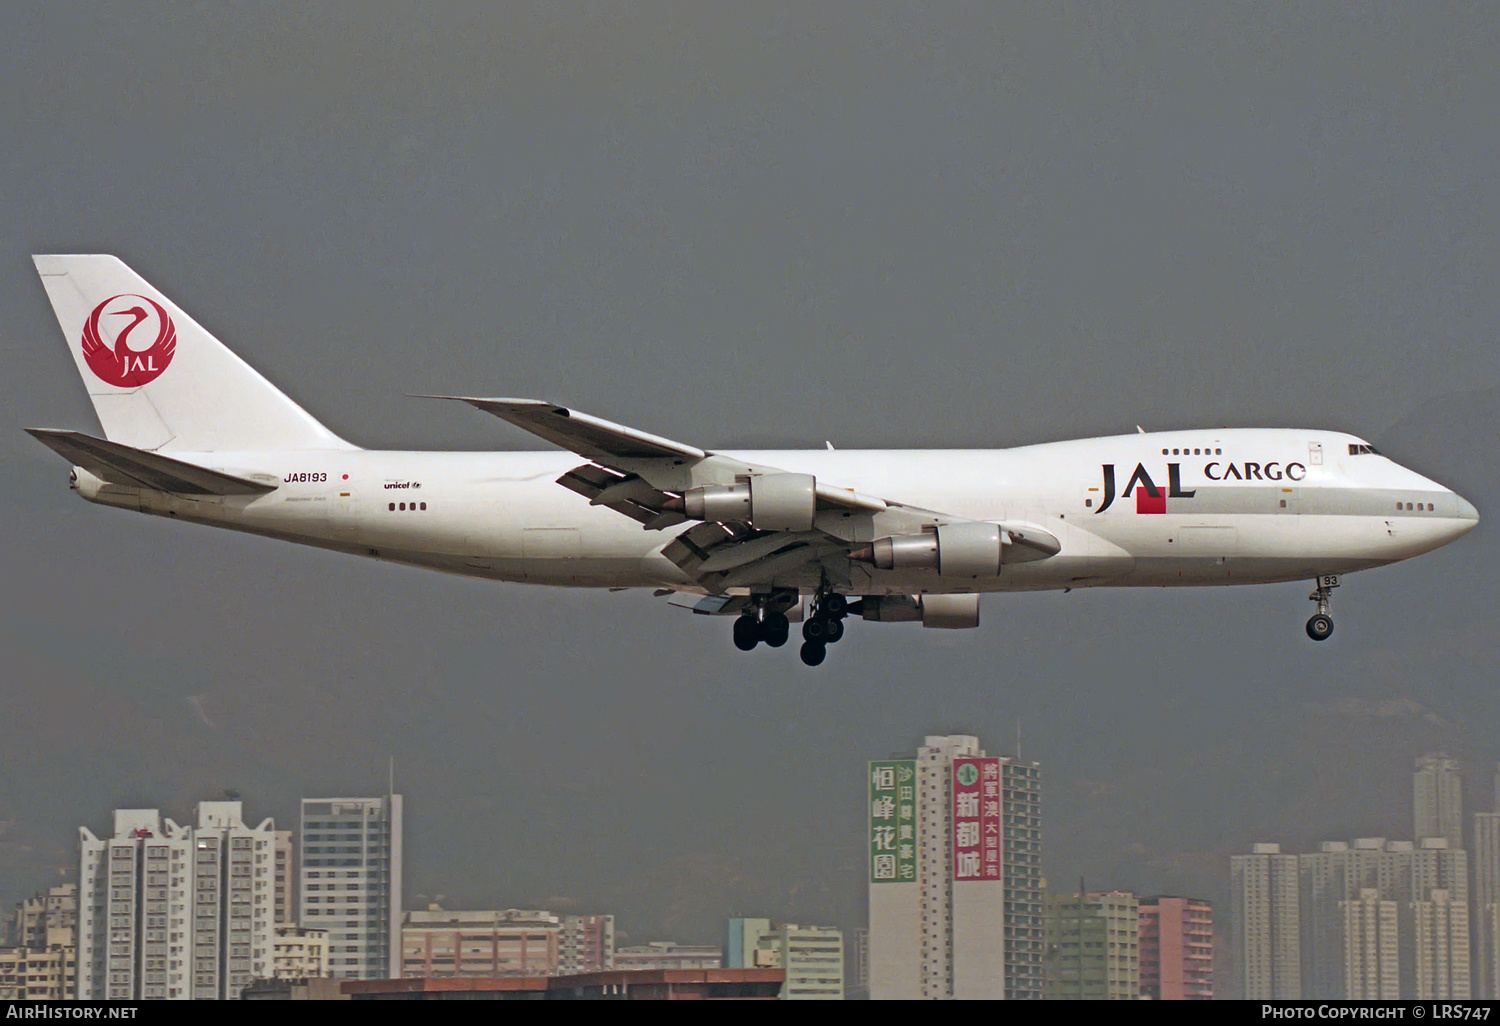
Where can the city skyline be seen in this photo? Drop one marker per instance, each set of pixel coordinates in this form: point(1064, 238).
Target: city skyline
point(1445, 887)
point(948, 228)
point(1374, 917)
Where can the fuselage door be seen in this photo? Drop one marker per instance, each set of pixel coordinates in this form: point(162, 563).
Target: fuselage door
point(1315, 454)
point(344, 513)
point(1094, 497)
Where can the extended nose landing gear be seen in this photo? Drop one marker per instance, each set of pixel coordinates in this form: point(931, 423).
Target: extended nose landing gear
point(1321, 624)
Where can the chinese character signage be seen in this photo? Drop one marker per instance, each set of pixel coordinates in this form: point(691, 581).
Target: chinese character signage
point(893, 822)
point(976, 819)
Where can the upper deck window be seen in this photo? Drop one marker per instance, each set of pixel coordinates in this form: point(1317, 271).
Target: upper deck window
point(1360, 449)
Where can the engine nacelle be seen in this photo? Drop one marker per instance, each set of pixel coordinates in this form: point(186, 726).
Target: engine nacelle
point(953, 550)
point(950, 612)
point(769, 502)
point(891, 608)
point(945, 612)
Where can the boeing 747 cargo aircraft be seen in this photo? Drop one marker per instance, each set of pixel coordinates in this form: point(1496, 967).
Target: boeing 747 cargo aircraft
point(769, 538)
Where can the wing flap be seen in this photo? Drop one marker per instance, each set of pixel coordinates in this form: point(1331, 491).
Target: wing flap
point(763, 571)
point(122, 464)
point(624, 493)
point(708, 605)
point(691, 549)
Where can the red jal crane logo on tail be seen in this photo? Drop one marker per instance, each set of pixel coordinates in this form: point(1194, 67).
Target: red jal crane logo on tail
point(119, 345)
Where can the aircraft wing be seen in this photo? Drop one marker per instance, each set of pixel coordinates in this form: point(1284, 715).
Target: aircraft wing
point(586, 435)
point(650, 479)
point(125, 465)
point(610, 445)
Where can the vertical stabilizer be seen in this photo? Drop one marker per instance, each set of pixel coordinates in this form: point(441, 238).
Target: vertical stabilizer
point(156, 378)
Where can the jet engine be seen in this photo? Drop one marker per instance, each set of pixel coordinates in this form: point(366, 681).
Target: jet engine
point(768, 502)
point(960, 550)
point(948, 612)
point(954, 550)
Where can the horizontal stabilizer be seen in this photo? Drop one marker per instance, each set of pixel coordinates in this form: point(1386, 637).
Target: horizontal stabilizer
point(123, 465)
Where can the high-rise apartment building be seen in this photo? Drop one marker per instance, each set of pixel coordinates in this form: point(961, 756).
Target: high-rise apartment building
point(1405, 875)
point(1021, 863)
point(1371, 947)
point(1486, 918)
point(1267, 925)
point(1093, 947)
point(813, 956)
point(955, 874)
point(1177, 948)
point(284, 882)
point(1373, 917)
point(1440, 943)
point(1437, 800)
point(350, 882)
point(166, 911)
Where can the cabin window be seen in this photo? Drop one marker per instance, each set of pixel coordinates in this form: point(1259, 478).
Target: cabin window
point(424, 505)
point(393, 507)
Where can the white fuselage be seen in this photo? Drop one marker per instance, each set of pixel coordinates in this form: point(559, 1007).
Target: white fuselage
point(1231, 507)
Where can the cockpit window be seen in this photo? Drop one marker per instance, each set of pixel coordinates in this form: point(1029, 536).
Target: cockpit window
point(1360, 449)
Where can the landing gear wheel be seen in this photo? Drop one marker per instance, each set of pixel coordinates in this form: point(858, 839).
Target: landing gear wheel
point(813, 652)
point(815, 631)
point(833, 631)
point(834, 605)
point(1320, 627)
point(775, 629)
point(747, 633)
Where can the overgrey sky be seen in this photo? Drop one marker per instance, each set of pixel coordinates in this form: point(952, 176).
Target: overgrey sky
point(772, 224)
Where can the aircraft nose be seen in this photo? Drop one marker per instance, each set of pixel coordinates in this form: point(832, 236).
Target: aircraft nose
point(1466, 514)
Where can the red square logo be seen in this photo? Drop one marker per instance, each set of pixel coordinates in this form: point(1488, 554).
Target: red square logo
point(1144, 503)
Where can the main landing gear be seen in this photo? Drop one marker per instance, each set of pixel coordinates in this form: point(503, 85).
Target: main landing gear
point(823, 627)
point(1321, 624)
point(754, 626)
